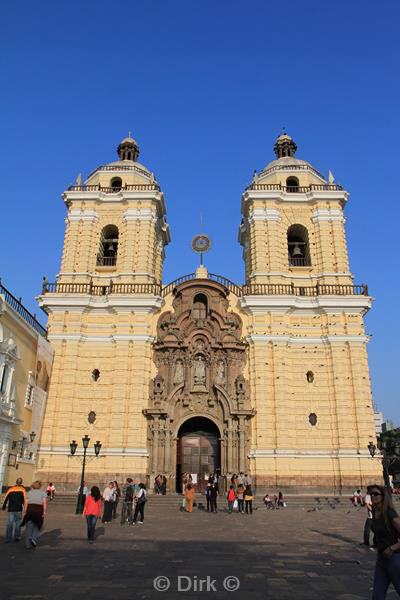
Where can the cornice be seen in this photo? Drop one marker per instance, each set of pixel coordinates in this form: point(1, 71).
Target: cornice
point(305, 305)
point(99, 339)
point(65, 450)
point(280, 196)
point(359, 453)
point(300, 339)
point(114, 303)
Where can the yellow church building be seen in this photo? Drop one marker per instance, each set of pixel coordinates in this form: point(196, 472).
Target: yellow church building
point(270, 378)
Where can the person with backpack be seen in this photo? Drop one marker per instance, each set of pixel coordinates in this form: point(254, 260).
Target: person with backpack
point(128, 493)
point(231, 497)
point(141, 499)
point(15, 498)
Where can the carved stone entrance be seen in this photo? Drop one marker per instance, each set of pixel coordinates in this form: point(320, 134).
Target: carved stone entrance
point(200, 358)
point(198, 451)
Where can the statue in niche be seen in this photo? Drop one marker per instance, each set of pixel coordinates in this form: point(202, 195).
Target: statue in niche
point(178, 375)
point(199, 371)
point(221, 372)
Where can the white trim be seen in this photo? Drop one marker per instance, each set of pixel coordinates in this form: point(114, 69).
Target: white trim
point(300, 339)
point(99, 339)
point(65, 450)
point(293, 276)
point(305, 305)
point(140, 214)
point(328, 215)
point(338, 453)
point(280, 196)
point(265, 214)
point(76, 215)
point(121, 196)
point(113, 303)
point(112, 276)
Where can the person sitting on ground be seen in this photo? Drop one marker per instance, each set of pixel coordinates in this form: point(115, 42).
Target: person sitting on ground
point(267, 501)
point(357, 498)
point(51, 490)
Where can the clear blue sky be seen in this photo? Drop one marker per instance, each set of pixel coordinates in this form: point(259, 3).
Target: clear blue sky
point(205, 88)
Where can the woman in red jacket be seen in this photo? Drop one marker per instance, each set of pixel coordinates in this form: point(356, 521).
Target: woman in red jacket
point(92, 511)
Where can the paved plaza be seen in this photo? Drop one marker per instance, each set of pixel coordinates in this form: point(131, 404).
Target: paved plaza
point(287, 554)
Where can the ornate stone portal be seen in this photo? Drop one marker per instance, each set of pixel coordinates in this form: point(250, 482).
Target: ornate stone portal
point(200, 358)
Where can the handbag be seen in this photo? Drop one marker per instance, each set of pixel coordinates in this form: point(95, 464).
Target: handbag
point(236, 505)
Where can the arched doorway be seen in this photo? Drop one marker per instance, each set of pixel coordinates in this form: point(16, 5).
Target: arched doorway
point(198, 451)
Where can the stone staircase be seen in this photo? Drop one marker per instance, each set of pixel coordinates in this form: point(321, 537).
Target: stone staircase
point(172, 501)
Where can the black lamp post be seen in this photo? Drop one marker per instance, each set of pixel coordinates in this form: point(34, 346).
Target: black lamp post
point(73, 446)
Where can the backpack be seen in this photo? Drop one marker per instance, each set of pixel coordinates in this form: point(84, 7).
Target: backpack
point(231, 495)
point(129, 493)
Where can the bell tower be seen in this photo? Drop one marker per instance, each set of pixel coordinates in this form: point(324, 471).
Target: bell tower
point(308, 364)
point(116, 224)
point(292, 229)
point(101, 312)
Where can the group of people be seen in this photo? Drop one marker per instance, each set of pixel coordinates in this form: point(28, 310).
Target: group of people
point(25, 509)
point(276, 502)
point(105, 505)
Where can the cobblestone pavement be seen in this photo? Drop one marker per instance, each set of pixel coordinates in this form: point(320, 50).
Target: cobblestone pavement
point(282, 555)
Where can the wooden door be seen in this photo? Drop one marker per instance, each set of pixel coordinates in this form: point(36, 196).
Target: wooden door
point(199, 456)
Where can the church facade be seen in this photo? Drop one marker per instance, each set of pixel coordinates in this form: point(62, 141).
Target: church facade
point(270, 377)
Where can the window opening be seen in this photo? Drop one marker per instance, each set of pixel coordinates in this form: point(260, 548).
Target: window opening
point(298, 246)
point(107, 255)
point(200, 307)
point(292, 184)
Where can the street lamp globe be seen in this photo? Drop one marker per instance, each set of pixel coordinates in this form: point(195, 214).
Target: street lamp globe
point(73, 445)
point(97, 448)
point(85, 441)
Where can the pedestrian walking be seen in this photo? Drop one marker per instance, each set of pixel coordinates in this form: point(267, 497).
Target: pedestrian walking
point(157, 484)
point(189, 495)
point(386, 527)
point(84, 494)
point(208, 497)
point(248, 498)
point(35, 513)
point(116, 497)
point(185, 481)
point(15, 502)
point(128, 493)
point(213, 497)
point(281, 502)
point(141, 500)
point(92, 511)
point(163, 485)
point(108, 497)
point(368, 520)
point(231, 497)
point(51, 490)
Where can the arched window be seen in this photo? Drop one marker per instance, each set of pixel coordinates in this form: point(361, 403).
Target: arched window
point(107, 256)
point(292, 184)
point(200, 307)
point(116, 183)
point(298, 246)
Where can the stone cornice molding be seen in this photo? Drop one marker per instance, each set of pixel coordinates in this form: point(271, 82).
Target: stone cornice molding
point(281, 196)
point(255, 338)
point(100, 339)
point(307, 305)
point(122, 196)
point(293, 276)
point(115, 303)
point(65, 450)
point(353, 453)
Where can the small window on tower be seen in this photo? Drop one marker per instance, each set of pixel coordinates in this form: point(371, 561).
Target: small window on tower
point(116, 183)
point(310, 376)
point(95, 374)
point(292, 184)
